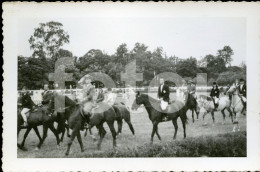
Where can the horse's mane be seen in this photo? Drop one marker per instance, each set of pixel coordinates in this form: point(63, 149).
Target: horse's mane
point(149, 98)
point(68, 101)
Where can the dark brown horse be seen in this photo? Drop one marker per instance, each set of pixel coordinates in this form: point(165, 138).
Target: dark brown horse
point(40, 117)
point(156, 116)
point(122, 113)
point(103, 113)
point(62, 115)
point(191, 104)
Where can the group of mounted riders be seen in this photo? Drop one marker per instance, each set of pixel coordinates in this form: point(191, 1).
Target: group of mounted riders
point(89, 95)
point(164, 93)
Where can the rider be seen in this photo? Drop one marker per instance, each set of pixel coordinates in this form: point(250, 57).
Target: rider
point(100, 95)
point(242, 92)
point(88, 93)
point(110, 97)
point(164, 96)
point(45, 94)
point(191, 88)
point(27, 105)
point(214, 94)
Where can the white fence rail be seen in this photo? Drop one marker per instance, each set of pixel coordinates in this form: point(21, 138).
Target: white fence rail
point(36, 95)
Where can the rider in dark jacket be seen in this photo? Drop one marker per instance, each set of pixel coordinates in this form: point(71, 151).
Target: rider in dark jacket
point(214, 94)
point(242, 92)
point(27, 104)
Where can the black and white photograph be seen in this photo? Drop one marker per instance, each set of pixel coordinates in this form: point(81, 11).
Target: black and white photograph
point(92, 82)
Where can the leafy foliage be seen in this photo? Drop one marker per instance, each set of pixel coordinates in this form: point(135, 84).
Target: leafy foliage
point(48, 39)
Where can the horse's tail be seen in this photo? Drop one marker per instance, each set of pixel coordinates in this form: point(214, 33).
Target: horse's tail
point(61, 123)
point(183, 114)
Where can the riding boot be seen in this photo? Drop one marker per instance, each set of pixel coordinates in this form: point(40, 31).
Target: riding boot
point(244, 105)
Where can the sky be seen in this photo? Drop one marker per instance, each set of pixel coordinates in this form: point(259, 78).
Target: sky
point(182, 37)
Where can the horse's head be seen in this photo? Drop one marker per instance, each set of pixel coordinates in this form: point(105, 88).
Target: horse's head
point(139, 100)
point(232, 89)
point(51, 106)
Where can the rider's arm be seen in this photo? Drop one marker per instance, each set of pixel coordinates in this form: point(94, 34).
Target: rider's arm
point(211, 93)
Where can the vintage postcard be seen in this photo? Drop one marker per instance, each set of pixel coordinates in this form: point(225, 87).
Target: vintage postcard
point(131, 86)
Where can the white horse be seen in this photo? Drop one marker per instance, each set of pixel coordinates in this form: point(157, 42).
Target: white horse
point(206, 102)
point(236, 105)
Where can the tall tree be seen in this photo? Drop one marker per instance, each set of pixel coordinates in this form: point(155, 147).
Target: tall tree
point(47, 39)
point(226, 54)
point(122, 55)
point(187, 67)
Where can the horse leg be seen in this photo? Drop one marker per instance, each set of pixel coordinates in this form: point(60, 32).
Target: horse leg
point(55, 133)
point(24, 138)
point(119, 123)
point(176, 127)
point(18, 131)
point(102, 134)
point(113, 131)
point(230, 114)
point(45, 132)
point(224, 116)
point(80, 141)
point(68, 130)
point(213, 118)
point(157, 133)
point(183, 120)
point(39, 136)
point(72, 137)
point(131, 127)
point(62, 135)
point(192, 111)
point(204, 114)
point(197, 113)
point(155, 124)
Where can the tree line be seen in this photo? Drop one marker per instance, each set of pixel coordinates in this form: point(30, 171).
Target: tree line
point(48, 39)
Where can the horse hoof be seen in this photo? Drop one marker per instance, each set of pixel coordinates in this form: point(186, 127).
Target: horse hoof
point(58, 146)
point(36, 149)
point(83, 150)
point(67, 153)
point(22, 147)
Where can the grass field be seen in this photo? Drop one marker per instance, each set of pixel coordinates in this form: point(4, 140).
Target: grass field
point(127, 142)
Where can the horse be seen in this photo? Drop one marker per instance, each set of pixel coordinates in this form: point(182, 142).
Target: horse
point(155, 116)
point(207, 103)
point(97, 117)
point(122, 113)
point(236, 104)
point(191, 104)
point(63, 116)
point(40, 117)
